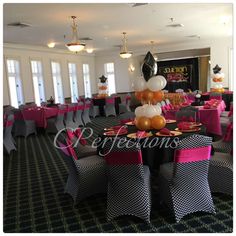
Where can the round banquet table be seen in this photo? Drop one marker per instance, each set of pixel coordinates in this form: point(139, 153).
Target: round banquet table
point(155, 155)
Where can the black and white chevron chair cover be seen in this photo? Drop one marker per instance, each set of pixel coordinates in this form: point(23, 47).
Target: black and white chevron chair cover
point(87, 176)
point(56, 124)
point(128, 182)
point(222, 146)
point(184, 183)
point(220, 175)
point(85, 114)
point(8, 140)
point(109, 107)
point(80, 144)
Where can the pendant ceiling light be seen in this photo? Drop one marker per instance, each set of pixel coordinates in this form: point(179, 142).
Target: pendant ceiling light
point(153, 51)
point(75, 45)
point(124, 51)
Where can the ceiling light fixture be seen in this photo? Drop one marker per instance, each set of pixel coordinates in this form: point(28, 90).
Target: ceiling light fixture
point(51, 45)
point(124, 51)
point(75, 45)
point(89, 50)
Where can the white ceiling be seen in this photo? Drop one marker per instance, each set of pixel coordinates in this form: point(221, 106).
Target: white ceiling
point(104, 23)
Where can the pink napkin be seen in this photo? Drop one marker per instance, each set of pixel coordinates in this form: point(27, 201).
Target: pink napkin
point(184, 126)
point(165, 131)
point(140, 134)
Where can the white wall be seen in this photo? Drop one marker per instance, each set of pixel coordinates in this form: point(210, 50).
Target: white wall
point(219, 54)
point(25, 53)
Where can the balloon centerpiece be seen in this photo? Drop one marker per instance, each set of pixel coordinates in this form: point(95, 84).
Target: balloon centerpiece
point(217, 79)
point(148, 91)
point(102, 87)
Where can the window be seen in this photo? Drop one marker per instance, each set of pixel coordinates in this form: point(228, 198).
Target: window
point(15, 86)
point(73, 81)
point(57, 84)
point(231, 84)
point(87, 86)
point(109, 73)
point(37, 75)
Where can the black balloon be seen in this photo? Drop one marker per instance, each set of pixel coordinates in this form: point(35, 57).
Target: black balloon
point(149, 67)
point(216, 69)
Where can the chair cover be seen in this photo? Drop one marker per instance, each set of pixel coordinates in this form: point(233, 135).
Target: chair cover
point(56, 124)
point(128, 182)
point(109, 107)
point(8, 140)
point(184, 183)
point(125, 105)
point(87, 176)
point(85, 114)
point(186, 115)
point(69, 117)
point(220, 175)
point(78, 115)
point(94, 110)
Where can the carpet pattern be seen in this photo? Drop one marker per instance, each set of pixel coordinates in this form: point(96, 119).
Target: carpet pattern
point(34, 199)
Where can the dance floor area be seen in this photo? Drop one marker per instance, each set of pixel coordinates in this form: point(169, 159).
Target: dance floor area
point(34, 199)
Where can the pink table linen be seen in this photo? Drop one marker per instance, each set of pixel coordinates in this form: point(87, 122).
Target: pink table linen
point(211, 118)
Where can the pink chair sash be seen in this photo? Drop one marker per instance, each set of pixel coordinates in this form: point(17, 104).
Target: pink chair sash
point(124, 158)
point(192, 154)
point(110, 100)
point(64, 148)
point(70, 149)
point(77, 133)
point(8, 123)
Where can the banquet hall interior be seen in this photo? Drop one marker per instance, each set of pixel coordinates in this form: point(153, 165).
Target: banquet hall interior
point(117, 117)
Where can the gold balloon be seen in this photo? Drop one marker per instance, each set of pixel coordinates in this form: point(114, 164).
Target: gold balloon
point(148, 95)
point(143, 123)
point(158, 122)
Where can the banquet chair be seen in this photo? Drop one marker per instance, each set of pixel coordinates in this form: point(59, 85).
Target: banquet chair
point(186, 115)
point(184, 182)
point(127, 115)
point(23, 127)
point(125, 105)
point(129, 191)
point(109, 107)
point(229, 113)
point(87, 176)
point(167, 101)
point(56, 124)
point(8, 140)
point(78, 115)
point(222, 146)
point(220, 175)
point(80, 144)
point(85, 113)
point(162, 103)
point(194, 109)
point(69, 117)
point(94, 110)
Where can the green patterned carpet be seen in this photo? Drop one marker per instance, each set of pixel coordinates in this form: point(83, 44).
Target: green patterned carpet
point(34, 201)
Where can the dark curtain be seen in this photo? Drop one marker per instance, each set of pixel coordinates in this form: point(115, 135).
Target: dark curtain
point(182, 73)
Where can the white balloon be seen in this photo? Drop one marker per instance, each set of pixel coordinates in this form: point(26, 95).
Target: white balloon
point(156, 83)
point(216, 86)
point(150, 111)
point(217, 75)
point(163, 81)
point(139, 111)
point(139, 84)
point(158, 109)
point(220, 86)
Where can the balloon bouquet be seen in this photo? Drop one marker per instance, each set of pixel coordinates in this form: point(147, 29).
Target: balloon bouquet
point(148, 91)
point(102, 87)
point(217, 79)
